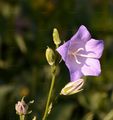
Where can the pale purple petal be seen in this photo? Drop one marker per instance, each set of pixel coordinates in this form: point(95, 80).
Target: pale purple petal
point(75, 75)
point(91, 67)
point(63, 50)
point(82, 35)
point(75, 46)
point(74, 68)
point(94, 48)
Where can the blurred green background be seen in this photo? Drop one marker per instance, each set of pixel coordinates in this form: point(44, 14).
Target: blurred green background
point(26, 28)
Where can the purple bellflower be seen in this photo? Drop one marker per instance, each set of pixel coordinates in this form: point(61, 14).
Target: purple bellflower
point(81, 54)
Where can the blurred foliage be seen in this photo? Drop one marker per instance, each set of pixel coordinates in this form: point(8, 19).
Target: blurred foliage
point(26, 28)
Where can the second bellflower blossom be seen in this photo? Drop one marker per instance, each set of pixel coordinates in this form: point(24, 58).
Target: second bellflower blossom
point(81, 54)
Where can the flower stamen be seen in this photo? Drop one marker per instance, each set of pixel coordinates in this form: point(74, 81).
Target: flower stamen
point(76, 59)
point(76, 53)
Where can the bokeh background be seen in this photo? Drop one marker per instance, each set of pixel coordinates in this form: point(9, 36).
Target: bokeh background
point(26, 28)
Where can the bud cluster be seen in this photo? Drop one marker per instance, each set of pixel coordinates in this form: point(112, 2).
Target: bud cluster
point(50, 54)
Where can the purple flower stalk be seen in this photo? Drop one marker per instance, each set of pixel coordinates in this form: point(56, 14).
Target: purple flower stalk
point(81, 54)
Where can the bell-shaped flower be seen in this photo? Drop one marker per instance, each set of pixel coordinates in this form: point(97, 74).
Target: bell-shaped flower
point(81, 54)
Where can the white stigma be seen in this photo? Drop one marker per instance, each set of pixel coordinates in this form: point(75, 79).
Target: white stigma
point(77, 53)
point(76, 59)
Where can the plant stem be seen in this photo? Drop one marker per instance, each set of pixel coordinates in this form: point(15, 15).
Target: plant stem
point(22, 117)
point(49, 95)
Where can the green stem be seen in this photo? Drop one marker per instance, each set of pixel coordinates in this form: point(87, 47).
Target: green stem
point(49, 96)
point(22, 117)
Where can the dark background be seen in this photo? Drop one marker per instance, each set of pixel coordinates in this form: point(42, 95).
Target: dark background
point(26, 28)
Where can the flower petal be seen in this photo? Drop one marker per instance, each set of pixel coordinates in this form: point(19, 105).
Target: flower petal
point(81, 35)
point(63, 50)
point(94, 48)
point(75, 75)
point(74, 68)
point(91, 67)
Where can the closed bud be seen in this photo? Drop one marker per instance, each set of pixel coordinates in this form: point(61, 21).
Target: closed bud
point(21, 108)
point(34, 118)
point(50, 107)
point(56, 37)
point(72, 87)
point(50, 56)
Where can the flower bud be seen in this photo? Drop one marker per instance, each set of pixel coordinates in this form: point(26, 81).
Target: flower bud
point(21, 108)
point(72, 87)
point(34, 118)
point(50, 107)
point(56, 37)
point(50, 56)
